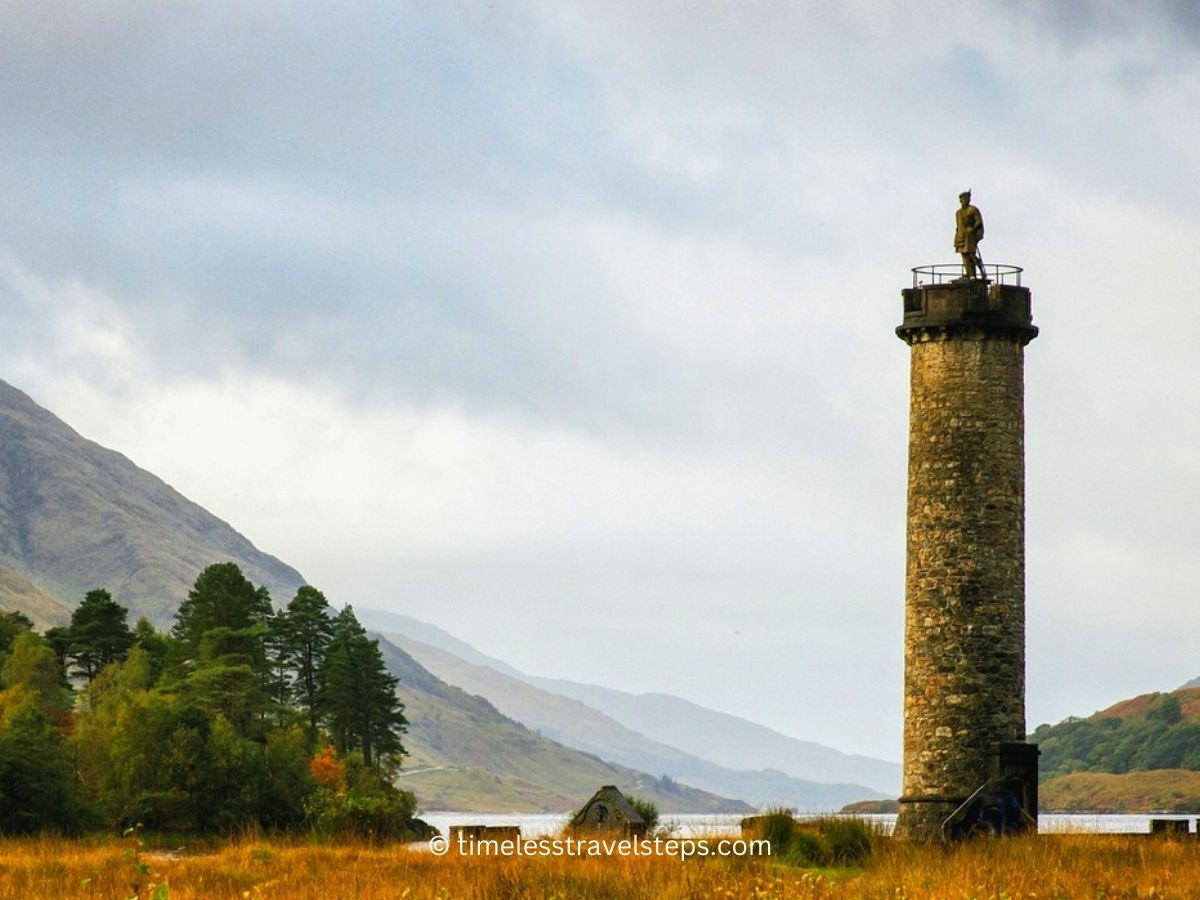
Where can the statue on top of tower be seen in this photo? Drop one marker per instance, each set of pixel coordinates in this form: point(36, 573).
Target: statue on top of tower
point(968, 232)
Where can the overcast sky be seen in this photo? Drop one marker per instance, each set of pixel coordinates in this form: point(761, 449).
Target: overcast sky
point(569, 326)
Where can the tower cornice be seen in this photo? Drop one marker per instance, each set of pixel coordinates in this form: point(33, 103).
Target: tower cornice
point(969, 309)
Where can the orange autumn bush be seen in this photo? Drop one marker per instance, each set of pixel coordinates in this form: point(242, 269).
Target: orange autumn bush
point(327, 770)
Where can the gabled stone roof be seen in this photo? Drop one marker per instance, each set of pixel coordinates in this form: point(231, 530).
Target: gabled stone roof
point(614, 799)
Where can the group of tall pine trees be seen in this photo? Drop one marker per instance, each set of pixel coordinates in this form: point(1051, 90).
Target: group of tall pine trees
point(240, 715)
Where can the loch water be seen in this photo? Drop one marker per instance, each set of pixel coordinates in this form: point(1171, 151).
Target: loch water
point(695, 825)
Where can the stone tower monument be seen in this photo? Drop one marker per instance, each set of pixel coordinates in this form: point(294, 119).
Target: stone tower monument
point(966, 766)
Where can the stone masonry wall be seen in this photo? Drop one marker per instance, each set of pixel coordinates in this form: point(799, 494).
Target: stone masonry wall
point(965, 582)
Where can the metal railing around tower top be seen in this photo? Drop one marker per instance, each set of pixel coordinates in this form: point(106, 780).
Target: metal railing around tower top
point(944, 273)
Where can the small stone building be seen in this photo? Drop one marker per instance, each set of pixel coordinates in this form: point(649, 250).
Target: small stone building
point(609, 811)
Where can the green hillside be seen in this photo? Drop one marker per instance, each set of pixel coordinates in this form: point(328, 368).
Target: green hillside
point(1152, 731)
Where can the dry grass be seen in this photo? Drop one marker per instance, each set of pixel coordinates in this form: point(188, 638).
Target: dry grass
point(1168, 790)
point(1051, 866)
point(1073, 866)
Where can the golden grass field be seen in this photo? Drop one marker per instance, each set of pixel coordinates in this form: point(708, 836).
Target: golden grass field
point(1072, 866)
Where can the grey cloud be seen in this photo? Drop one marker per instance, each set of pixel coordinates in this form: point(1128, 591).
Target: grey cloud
point(681, 227)
point(1081, 22)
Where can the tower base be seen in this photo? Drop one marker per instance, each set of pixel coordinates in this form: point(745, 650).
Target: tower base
point(1007, 803)
point(921, 818)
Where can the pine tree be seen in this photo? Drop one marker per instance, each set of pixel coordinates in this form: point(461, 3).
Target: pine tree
point(222, 598)
point(221, 629)
point(358, 695)
point(98, 634)
point(308, 628)
point(279, 667)
point(338, 682)
point(381, 714)
point(58, 639)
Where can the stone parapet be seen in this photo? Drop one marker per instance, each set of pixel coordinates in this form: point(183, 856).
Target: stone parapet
point(963, 307)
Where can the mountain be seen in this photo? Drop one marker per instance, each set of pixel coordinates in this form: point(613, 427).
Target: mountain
point(19, 593)
point(76, 516)
point(718, 738)
point(574, 724)
point(432, 636)
point(465, 754)
point(727, 739)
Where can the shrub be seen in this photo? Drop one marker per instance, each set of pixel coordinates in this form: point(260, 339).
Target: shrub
point(850, 840)
point(777, 826)
point(805, 848)
point(825, 841)
point(327, 770)
point(647, 810)
point(386, 816)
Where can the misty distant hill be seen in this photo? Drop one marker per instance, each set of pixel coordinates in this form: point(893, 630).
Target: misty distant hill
point(465, 754)
point(76, 516)
point(727, 739)
point(576, 725)
point(431, 635)
point(652, 730)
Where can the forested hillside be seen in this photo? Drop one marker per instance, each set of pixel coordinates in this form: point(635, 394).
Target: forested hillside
point(1153, 731)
